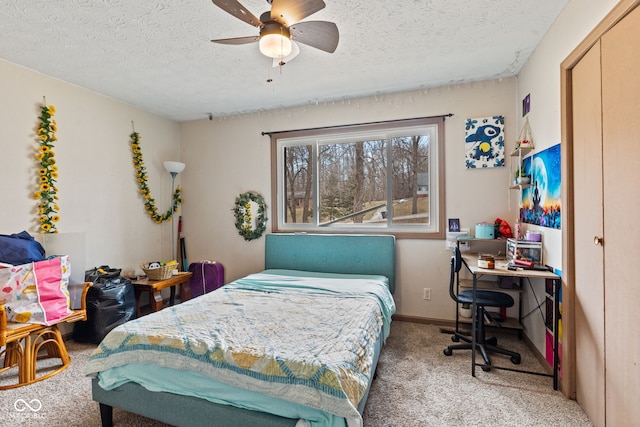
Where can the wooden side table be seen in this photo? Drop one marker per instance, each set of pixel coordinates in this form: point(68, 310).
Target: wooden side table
point(154, 287)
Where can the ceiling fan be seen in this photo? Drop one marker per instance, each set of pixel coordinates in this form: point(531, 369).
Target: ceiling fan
point(280, 28)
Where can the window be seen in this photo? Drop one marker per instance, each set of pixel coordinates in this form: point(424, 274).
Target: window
point(374, 178)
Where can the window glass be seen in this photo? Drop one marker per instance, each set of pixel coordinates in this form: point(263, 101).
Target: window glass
point(377, 178)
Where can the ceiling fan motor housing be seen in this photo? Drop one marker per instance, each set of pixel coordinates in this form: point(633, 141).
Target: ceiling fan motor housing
point(272, 27)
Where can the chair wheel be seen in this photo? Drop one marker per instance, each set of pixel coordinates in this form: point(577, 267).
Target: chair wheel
point(455, 338)
point(486, 368)
point(492, 341)
point(447, 352)
point(515, 360)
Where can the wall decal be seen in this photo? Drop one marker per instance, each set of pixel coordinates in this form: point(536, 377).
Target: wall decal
point(542, 201)
point(484, 142)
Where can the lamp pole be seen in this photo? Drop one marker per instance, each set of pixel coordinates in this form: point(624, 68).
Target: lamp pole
point(174, 168)
point(173, 226)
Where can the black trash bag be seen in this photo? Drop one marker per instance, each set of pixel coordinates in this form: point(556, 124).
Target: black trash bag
point(111, 301)
point(101, 274)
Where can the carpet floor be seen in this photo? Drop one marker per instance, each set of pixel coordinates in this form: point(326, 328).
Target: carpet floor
point(416, 385)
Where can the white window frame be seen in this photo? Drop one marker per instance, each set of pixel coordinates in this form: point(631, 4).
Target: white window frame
point(435, 229)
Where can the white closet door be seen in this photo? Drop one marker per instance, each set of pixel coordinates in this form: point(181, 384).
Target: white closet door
point(621, 164)
point(588, 206)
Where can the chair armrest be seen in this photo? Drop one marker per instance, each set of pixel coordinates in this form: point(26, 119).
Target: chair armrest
point(85, 289)
point(80, 314)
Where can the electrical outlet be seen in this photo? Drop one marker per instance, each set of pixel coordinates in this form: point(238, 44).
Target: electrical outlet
point(427, 294)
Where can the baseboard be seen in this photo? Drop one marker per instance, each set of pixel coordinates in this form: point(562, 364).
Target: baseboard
point(423, 320)
point(538, 355)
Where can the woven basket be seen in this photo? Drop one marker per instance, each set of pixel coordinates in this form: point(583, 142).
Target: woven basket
point(161, 273)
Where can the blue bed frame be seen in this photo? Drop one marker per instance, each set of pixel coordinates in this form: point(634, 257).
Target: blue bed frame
point(347, 254)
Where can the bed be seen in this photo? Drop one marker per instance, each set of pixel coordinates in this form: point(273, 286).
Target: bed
point(293, 345)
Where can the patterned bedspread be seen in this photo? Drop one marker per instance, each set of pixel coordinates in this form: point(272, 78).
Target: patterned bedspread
point(305, 340)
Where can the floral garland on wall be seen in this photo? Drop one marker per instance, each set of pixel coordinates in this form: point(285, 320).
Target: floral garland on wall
point(47, 171)
point(141, 175)
point(244, 216)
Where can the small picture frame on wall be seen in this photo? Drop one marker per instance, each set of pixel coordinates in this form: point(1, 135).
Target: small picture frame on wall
point(454, 224)
point(526, 105)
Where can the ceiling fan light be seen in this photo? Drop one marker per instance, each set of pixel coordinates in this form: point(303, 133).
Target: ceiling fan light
point(275, 45)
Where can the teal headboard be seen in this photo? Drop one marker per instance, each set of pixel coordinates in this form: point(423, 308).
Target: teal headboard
point(333, 253)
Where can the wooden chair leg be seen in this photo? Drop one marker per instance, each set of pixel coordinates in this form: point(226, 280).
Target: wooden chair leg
point(54, 346)
point(27, 356)
point(14, 355)
point(45, 343)
point(50, 340)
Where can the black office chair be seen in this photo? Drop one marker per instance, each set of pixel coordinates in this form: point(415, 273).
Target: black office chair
point(483, 299)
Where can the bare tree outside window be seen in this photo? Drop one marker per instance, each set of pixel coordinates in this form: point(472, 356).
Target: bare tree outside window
point(411, 179)
point(298, 183)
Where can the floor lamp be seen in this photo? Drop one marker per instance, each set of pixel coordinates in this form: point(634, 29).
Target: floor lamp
point(174, 168)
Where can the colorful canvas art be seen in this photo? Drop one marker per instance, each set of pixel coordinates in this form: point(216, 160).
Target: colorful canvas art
point(541, 201)
point(484, 142)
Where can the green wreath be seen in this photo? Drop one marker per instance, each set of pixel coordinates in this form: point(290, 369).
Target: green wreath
point(244, 217)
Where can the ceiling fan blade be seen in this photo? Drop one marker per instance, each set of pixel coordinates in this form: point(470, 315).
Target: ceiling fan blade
point(322, 35)
point(288, 12)
point(295, 50)
point(234, 8)
point(238, 40)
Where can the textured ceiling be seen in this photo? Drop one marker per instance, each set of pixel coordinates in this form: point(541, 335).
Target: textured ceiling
point(157, 55)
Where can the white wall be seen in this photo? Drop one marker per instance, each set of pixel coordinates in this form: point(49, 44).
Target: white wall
point(226, 157)
point(541, 78)
point(97, 188)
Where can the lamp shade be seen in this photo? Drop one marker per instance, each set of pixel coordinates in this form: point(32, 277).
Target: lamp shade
point(173, 167)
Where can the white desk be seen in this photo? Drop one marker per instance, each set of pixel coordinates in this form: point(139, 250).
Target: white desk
point(471, 263)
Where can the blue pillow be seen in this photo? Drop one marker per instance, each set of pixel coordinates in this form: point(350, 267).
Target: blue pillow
point(20, 248)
